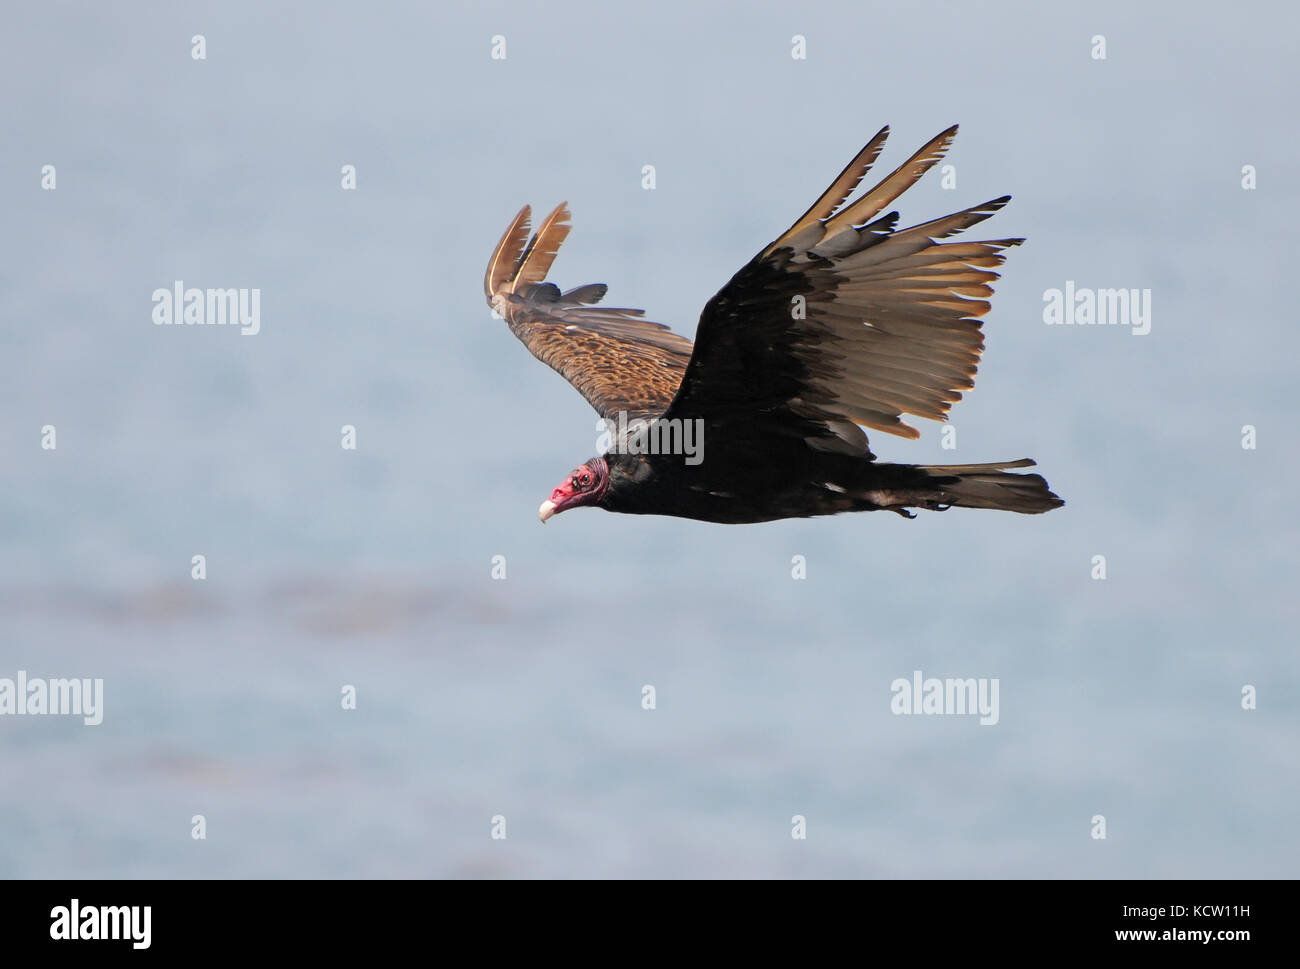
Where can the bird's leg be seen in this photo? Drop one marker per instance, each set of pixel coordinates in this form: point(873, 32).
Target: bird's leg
point(929, 504)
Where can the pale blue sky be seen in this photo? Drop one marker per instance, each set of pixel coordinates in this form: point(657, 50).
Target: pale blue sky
point(522, 697)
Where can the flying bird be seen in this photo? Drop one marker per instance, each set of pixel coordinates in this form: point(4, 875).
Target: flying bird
point(844, 322)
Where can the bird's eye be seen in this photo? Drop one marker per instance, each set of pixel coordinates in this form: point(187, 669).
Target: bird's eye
point(584, 480)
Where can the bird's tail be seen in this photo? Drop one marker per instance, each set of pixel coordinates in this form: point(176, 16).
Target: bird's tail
point(990, 486)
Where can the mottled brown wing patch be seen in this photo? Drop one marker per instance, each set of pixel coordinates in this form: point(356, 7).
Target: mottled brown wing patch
point(618, 361)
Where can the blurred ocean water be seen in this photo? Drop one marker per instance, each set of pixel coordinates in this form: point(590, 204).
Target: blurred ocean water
point(521, 697)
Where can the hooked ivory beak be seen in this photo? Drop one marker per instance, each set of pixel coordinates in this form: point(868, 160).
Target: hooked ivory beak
point(546, 511)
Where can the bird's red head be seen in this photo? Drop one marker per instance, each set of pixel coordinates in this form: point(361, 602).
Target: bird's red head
point(584, 485)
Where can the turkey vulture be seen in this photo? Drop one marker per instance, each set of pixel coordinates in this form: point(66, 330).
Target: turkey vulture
point(844, 320)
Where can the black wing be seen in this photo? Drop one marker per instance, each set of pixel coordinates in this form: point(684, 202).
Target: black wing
point(845, 320)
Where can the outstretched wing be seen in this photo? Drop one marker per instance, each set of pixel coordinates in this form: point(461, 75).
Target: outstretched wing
point(846, 320)
point(618, 361)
